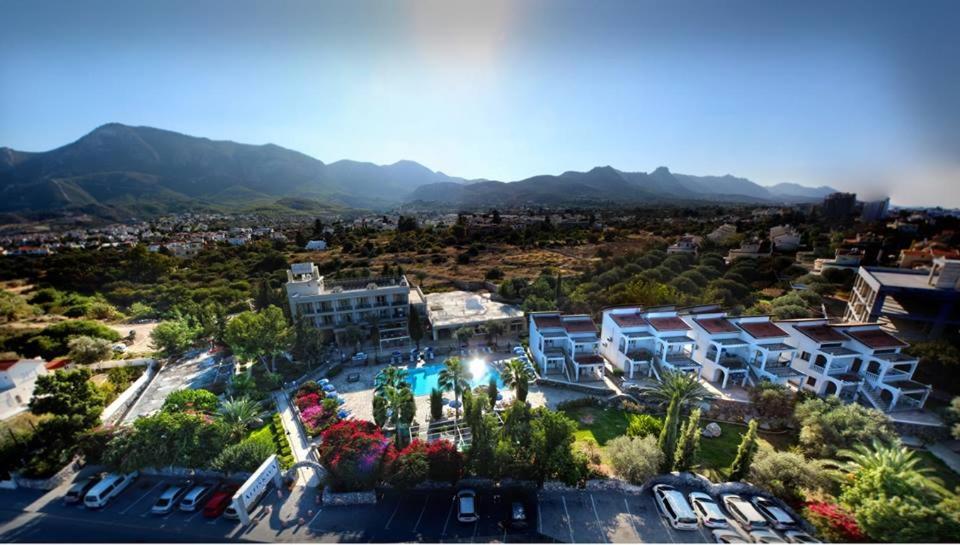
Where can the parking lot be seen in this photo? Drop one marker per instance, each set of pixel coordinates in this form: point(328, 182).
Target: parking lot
point(568, 516)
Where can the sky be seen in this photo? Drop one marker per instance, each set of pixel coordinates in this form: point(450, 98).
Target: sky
point(855, 94)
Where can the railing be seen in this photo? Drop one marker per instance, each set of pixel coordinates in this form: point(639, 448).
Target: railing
point(894, 376)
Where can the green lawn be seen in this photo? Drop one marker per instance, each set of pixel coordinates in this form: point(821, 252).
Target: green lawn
point(271, 434)
point(596, 425)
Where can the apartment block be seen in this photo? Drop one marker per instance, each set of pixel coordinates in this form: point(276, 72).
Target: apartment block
point(643, 343)
point(336, 306)
point(856, 362)
point(565, 345)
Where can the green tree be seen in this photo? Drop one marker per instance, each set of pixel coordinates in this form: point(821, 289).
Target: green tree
point(788, 475)
point(496, 330)
point(689, 444)
point(635, 459)
point(642, 425)
point(453, 376)
point(464, 334)
point(684, 387)
point(239, 414)
point(552, 437)
point(307, 343)
point(517, 375)
point(668, 435)
point(415, 327)
point(828, 425)
point(380, 410)
point(259, 335)
point(745, 453)
point(191, 400)
point(174, 336)
point(68, 393)
point(86, 350)
point(436, 404)
point(492, 391)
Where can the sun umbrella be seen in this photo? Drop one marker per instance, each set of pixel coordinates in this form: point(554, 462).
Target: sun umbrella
point(446, 401)
point(455, 404)
point(499, 396)
point(332, 393)
point(343, 414)
point(323, 381)
point(341, 401)
point(329, 387)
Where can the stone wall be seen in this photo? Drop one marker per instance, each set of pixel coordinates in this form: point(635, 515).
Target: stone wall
point(364, 497)
point(62, 476)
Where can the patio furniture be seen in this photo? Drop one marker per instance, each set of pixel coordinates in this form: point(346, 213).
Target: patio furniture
point(329, 387)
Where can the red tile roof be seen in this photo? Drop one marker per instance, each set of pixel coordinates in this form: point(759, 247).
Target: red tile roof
point(822, 333)
point(7, 364)
point(876, 338)
point(762, 330)
point(57, 363)
point(547, 320)
point(634, 319)
point(716, 325)
point(671, 323)
point(580, 326)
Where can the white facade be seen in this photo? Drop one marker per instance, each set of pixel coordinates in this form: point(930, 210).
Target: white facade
point(567, 345)
point(785, 238)
point(17, 380)
point(723, 234)
point(687, 244)
point(856, 362)
point(643, 343)
point(316, 245)
point(335, 305)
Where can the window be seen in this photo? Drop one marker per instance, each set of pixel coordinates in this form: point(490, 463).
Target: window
point(623, 345)
point(805, 356)
point(812, 382)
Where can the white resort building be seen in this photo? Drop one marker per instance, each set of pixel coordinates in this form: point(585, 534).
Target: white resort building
point(567, 345)
point(336, 306)
point(450, 310)
point(642, 342)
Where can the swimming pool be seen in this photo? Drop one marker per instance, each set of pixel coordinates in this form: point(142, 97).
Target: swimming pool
point(424, 379)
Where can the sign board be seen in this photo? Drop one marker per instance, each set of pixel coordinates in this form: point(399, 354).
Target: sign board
point(253, 489)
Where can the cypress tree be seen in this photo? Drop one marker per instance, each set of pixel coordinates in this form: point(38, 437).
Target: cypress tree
point(689, 443)
point(745, 453)
point(668, 435)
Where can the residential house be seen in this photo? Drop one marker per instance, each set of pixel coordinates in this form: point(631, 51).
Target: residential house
point(646, 342)
point(687, 244)
point(785, 238)
point(723, 234)
point(17, 380)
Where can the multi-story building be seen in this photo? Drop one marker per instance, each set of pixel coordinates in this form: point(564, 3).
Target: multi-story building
point(642, 342)
point(856, 362)
point(917, 304)
point(335, 306)
point(838, 206)
point(742, 349)
point(875, 210)
point(784, 238)
point(565, 344)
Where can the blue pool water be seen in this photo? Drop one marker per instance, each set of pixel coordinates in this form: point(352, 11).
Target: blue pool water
point(424, 379)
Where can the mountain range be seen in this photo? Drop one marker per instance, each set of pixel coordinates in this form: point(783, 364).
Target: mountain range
point(118, 170)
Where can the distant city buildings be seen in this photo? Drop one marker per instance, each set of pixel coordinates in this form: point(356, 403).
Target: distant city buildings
point(875, 210)
point(838, 206)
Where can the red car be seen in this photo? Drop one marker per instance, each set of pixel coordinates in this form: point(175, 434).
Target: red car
point(219, 501)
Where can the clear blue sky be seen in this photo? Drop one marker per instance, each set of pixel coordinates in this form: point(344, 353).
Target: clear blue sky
point(860, 95)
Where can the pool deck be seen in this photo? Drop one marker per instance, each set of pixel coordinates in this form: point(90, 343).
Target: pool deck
point(358, 396)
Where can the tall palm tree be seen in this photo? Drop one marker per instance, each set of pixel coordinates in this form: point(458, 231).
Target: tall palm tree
point(239, 413)
point(454, 376)
point(390, 377)
point(516, 375)
point(686, 387)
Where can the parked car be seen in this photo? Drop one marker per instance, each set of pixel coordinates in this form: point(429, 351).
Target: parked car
point(674, 507)
point(728, 536)
point(744, 513)
point(196, 495)
point(518, 515)
point(80, 489)
point(766, 536)
point(360, 356)
point(168, 500)
point(709, 513)
point(467, 505)
point(797, 536)
point(219, 501)
point(778, 518)
point(108, 488)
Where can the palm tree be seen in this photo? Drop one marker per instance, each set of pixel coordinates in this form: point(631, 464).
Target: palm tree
point(686, 387)
point(453, 376)
point(516, 375)
point(390, 377)
point(239, 413)
point(496, 329)
point(893, 458)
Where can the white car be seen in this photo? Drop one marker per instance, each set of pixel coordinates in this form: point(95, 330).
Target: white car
point(119, 347)
point(766, 536)
point(744, 513)
point(728, 536)
point(674, 507)
point(778, 518)
point(797, 536)
point(467, 506)
point(168, 500)
point(709, 513)
point(360, 356)
point(108, 488)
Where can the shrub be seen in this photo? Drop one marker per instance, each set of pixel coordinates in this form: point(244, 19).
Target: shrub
point(446, 462)
point(642, 425)
point(833, 524)
point(409, 467)
point(335, 370)
point(246, 455)
point(828, 425)
point(304, 401)
point(635, 459)
point(352, 453)
point(787, 475)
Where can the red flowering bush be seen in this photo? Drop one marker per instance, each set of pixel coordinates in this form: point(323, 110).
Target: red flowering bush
point(446, 463)
point(833, 523)
point(307, 400)
point(408, 467)
point(352, 451)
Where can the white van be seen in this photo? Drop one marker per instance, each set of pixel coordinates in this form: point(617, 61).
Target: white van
point(675, 508)
point(744, 513)
point(110, 486)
